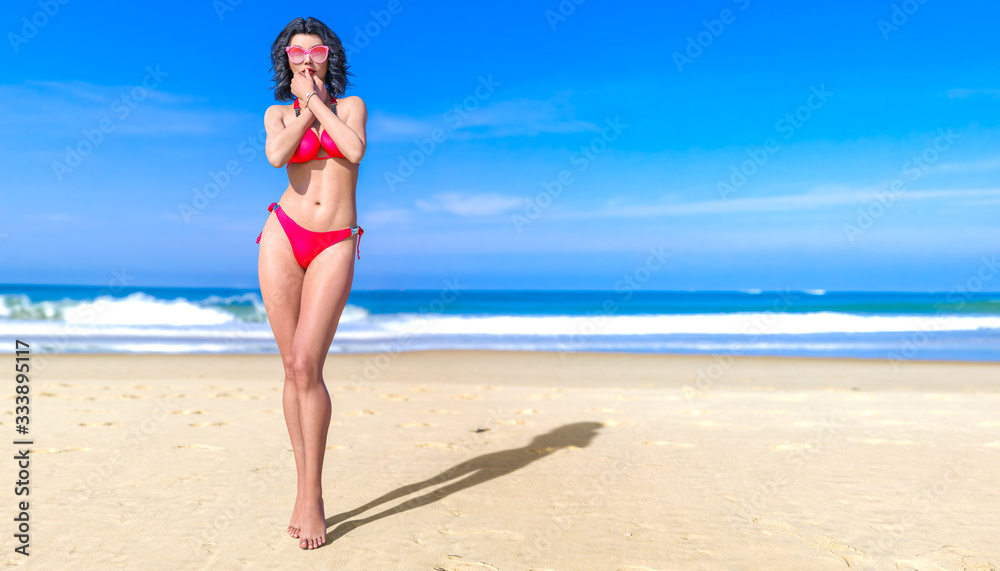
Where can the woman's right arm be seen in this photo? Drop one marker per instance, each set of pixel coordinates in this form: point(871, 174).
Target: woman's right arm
point(282, 141)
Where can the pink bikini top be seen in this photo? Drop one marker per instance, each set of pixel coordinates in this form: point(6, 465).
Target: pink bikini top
point(310, 143)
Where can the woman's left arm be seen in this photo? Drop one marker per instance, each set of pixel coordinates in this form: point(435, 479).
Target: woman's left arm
point(350, 135)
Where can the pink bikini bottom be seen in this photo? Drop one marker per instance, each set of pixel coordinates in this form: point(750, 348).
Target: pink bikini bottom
point(307, 244)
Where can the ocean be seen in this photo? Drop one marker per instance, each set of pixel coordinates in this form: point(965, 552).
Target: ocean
point(901, 326)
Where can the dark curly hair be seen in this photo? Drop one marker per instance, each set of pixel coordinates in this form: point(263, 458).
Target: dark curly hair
point(336, 69)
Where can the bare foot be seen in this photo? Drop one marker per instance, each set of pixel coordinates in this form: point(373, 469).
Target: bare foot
point(312, 532)
point(293, 524)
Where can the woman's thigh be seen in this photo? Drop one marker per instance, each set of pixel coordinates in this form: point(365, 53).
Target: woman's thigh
point(280, 279)
point(325, 288)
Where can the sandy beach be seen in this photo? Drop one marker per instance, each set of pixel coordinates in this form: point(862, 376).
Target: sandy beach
point(480, 460)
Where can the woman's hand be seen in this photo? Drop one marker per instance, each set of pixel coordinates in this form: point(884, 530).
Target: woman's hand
point(320, 88)
point(303, 83)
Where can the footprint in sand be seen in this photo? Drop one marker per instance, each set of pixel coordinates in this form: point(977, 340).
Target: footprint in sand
point(469, 565)
point(199, 446)
point(140, 387)
point(669, 443)
point(513, 421)
point(443, 411)
point(210, 424)
point(865, 412)
point(493, 534)
point(132, 397)
point(233, 396)
point(466, 396)
point(528, 411)
point(552, 449)
point(617, 423)
point(358, 412)
point(421, 389)
point(415, 424)
point(189, 411)
point(793, 446)
point(710, 423)
point(392, 397)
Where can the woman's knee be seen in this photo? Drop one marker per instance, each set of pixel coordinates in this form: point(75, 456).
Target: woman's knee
point(288, 364)
point(305, 369)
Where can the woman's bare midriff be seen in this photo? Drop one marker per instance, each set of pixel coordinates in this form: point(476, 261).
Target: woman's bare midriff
point(321, 193)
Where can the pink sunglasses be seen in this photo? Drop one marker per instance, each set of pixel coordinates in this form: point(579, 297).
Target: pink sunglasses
point(298, 55)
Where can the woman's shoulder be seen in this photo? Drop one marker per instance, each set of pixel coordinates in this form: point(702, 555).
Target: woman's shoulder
point(277, 108)
point(352, 102)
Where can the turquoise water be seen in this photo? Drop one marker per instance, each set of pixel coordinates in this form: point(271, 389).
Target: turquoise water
point(893, 325)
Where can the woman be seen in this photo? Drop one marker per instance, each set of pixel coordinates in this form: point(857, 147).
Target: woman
point(307, 246)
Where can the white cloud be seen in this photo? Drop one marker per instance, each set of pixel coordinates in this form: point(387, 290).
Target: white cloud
point(469, 205)
point(784, 203)
point(510, 118)
point(83, 105)
point(986, 165)
point(387, 216)
point(963, 93)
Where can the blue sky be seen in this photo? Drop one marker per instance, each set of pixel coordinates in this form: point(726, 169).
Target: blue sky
point(747, 143)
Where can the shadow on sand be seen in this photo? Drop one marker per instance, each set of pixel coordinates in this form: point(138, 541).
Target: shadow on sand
point(476, 471)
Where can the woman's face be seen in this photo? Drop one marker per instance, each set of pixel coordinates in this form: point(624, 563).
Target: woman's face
point(307, 42)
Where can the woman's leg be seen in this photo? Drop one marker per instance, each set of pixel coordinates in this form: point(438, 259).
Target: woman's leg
point(325, 289)
point(281, 288)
